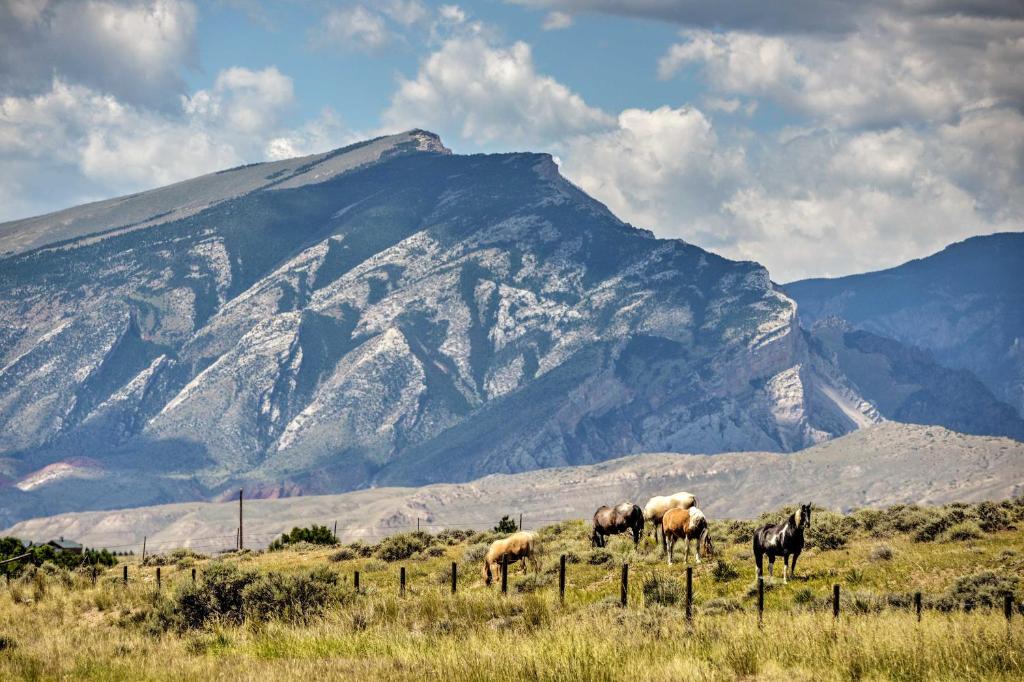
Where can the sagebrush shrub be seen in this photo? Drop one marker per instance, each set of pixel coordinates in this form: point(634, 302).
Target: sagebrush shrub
point(401, 546)
point(992, 517)
point(599, 556)
point(829, 530)
point(984, 588)
point(963, 532)
point(881, 553)
point(294, 598)
point(723, 571)
point(663, 590)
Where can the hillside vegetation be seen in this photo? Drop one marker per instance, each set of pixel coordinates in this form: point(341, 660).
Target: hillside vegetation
point(295, 611)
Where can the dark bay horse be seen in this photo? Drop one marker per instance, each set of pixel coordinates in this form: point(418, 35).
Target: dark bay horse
point(618, 519)
point(785, 540)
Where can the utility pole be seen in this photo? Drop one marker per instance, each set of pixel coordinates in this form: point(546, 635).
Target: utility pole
point(240, 542)
point(143, 549)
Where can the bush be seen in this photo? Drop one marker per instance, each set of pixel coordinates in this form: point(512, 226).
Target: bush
point(963, 532)
point(475, 553)
point(314, 535)
point(663, 590)
point(401, 546)
point(985, 588)
point(217, 596)
point(938, 524)
point(881, 553)
point(723, 571)
point(293, 598)
point(804, 596)
point(720, 606)
point(992, 517)
point(531, 582)
point(506, 525)
point(599, 556)
point(830, 530)
point(434, 551)
point(453, 536)
point(343, 554)
point(362, 549)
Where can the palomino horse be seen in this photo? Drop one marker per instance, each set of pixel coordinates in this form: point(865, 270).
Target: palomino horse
point(656, 507)
point(785, 540)
point(688, 524)
point(521, 546)
point(618, 519)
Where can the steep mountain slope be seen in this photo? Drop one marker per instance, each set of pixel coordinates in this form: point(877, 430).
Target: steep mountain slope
point(386, 313)
point(907, 385)
point(965, 304)
point(884, 464)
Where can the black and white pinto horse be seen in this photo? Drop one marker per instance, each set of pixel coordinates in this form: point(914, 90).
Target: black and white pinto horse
point(785, 540)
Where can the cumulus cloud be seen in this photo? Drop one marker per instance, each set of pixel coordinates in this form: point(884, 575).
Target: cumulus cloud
point(351, 28)
point(490, 94)
point(134, 50)
point(880, 77)
point(102, 146)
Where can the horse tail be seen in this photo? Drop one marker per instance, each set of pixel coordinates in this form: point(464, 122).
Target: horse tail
point(595, 537)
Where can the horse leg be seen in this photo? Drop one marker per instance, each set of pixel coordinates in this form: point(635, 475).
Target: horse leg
point(671, 547)
point(785, 568)
point(696, 550)
point(771, 565)
point(792, 569)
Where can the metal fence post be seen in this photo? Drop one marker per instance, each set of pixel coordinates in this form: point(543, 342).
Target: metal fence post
point(561, 579)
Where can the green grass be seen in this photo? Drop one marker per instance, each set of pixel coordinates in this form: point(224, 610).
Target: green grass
point(55, 625)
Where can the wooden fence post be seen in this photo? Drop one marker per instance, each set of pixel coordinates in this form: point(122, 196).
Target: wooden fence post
point(504, 574)
point(143, 550)
point(520, 520)
point(193, 575)
point(561, 579)
point(1008, 607)
point(689, 593)
point(455, 576)
point(624, 591)
point(94, 575)
point(158, 577)
point(126, 574)
point(760, 600)
point(917, 605)
point(835, 601)
point(401, 581)
point(355, 581)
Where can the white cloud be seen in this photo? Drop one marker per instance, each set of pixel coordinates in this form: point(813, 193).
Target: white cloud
point(351, 28)
point(490, 94)
point(892, 71)
point(555, 21)
point(133, 50)
point(99, 146)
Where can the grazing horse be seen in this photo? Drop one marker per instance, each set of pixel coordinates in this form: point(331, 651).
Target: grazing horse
point(785, 540)
point(618, 519)
point(688, 524)
point(656, 507)
point(521, 546)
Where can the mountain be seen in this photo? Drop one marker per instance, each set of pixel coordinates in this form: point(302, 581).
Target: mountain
point(965, 305)
point(387, 313)
point(907, 385)
point(885, 464)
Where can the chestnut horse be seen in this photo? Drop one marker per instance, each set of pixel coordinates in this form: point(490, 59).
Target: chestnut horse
point(521, 546)
point(656, 507)
point(686, 524)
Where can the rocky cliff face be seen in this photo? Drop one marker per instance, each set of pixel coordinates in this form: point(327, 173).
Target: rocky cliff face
point(385, 313)
point(964, 304)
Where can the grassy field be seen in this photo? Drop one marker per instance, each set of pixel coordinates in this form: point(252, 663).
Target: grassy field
point(294, 612)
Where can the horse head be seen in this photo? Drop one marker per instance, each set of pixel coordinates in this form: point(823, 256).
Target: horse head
point(805, 516)
point(709, 547)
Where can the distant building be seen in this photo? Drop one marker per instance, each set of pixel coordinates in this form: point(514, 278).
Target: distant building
point(62, 545)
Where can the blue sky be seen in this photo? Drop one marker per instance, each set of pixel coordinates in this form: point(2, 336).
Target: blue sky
point(819, 138)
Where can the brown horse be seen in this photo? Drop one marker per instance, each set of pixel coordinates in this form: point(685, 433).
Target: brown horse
point(688, 524)
point(521, 546)
point(618, 519)
point(656, 507)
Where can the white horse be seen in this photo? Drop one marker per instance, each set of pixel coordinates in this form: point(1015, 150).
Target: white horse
point(656, 507)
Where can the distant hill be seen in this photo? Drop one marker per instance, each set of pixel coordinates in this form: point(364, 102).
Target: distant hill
point(964, 304)
point(885, 464)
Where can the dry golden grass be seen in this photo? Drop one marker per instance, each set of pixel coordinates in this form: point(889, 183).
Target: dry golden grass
point(53, 628)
